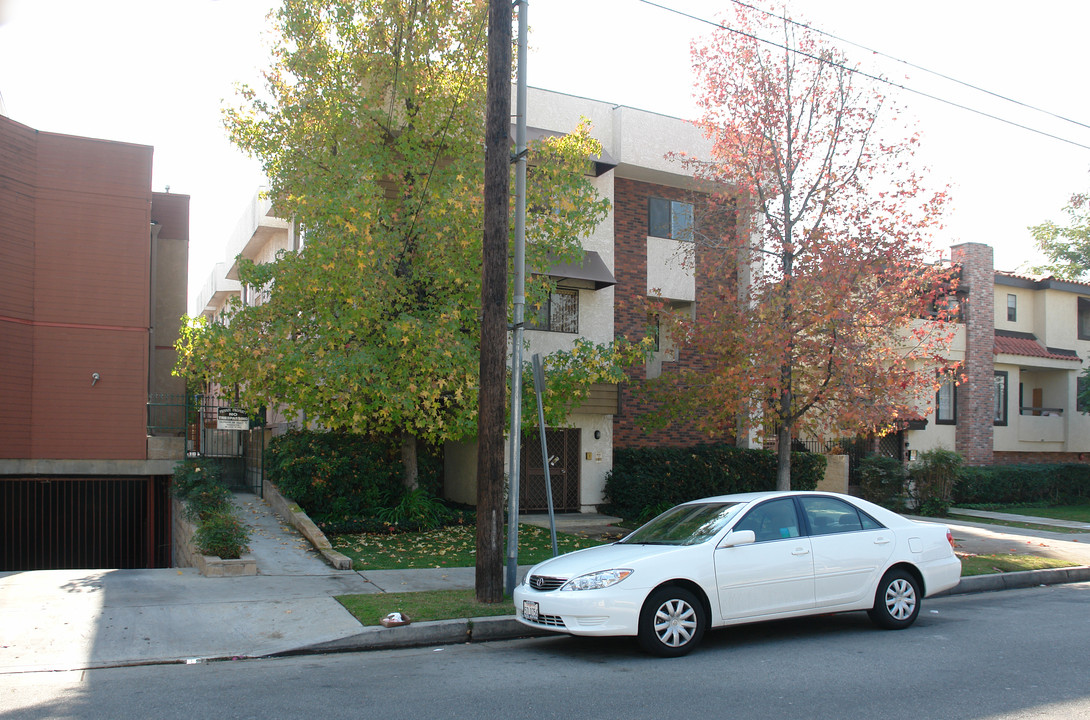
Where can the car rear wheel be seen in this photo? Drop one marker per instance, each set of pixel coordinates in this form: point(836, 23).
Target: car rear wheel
point(897, 601)
point(672, 622)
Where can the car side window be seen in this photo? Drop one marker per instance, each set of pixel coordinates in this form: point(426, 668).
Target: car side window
point(773, 520)
point(830, 515)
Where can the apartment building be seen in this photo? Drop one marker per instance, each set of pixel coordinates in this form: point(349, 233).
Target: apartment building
point(1024, 343)
point(92, 289)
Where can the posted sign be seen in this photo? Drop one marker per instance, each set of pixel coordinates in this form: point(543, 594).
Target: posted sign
point(232, 419)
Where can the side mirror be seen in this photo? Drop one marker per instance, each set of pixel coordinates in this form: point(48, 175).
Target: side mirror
point(738, 537)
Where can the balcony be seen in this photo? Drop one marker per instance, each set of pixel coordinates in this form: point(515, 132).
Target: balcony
point(1041, 424)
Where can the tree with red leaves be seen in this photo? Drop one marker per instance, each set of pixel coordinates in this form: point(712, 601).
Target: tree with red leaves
point(828, 320)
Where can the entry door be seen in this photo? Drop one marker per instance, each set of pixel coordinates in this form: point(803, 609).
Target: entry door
point(563, 448)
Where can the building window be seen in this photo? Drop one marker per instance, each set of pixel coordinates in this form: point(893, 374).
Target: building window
point(1000, 413)
point(946, 404)
point(1082, 397)
point(669, 219)
point(654, 329)
point(1012, 308)
point(560, 313)
point(1084, 319)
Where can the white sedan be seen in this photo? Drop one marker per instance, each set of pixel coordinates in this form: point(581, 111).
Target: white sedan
point(742, 558)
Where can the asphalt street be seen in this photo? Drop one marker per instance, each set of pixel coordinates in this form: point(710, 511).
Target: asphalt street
point(1014, 654)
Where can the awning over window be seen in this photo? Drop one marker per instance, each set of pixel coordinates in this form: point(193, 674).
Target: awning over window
point(592, 273)
point(601, 163)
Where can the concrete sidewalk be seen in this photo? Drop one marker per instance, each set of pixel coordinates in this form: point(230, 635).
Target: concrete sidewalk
point(77, 619)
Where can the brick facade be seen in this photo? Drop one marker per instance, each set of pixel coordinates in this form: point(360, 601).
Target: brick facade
point(630, 306)
point(975, 395)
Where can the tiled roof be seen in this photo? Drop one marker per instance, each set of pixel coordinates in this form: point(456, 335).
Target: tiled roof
point(1026, 344)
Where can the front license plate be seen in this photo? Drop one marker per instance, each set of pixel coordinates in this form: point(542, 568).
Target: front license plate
point(529, 610)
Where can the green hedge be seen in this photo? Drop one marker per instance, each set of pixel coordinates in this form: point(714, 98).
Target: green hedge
point(1053, 484)
point(645, 481)
point(339, 476)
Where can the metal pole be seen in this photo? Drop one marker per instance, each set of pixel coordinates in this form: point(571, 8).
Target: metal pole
point(515, 453)
point(539, 389)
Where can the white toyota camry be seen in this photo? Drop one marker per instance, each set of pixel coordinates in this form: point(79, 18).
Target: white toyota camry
point(742, 558)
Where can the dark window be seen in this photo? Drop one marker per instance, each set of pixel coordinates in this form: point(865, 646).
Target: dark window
point(1000, 414)
point(773, 520)
point(654, 329)
point(946, 404)
point(1082, 399)
point(1084, 319)
point(560, 313)
point(829, 515)
point(1012, 307)
point(669, 219)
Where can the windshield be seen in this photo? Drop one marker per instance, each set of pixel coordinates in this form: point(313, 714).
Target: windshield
point(685, 524)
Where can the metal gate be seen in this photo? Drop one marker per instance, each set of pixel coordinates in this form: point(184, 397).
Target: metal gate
point(52, 523)
point(563, 471)
point(239, 453)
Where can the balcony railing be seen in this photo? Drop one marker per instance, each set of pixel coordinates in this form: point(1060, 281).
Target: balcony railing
point(1040, 411)
point(1041, 424)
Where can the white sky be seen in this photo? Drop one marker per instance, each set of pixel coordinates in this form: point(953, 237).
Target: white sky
point(156, 72)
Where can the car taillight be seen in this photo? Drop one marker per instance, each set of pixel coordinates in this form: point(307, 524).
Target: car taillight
point(950, 539)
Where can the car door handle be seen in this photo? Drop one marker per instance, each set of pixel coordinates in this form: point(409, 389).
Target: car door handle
point(881, 541)
point(800, 551)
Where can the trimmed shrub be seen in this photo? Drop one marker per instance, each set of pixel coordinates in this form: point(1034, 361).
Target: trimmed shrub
point(198, 484)
point(647, 480)
point(219, 531)
point(222, 534)
point(340, 478)
point(931, 481)
point(882, 481)
point(1042, 484)
point(333, 474)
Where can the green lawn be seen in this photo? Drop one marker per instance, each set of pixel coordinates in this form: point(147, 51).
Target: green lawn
point(989, 564)
point(422, 606)
point(446, 547)
point(1076, 513)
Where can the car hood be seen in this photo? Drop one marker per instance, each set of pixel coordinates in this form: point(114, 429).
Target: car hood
point(605, 557)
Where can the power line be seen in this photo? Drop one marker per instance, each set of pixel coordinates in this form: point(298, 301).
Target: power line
point(910, 64)
point(865, 74)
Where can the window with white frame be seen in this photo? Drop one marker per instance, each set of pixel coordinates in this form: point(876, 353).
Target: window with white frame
point(669, 219)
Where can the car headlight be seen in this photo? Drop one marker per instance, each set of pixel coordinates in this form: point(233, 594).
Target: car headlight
point(597, 580)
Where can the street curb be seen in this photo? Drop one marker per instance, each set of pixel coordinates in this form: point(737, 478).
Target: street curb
point(1015, 580)
point(439, 632)
point(506, 627)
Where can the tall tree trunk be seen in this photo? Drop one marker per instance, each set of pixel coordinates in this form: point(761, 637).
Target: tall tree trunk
point(411, 476)
point(783, 457)
point(497, 163)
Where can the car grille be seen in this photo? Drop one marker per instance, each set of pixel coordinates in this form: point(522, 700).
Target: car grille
point(548, 621)
point(544, 583)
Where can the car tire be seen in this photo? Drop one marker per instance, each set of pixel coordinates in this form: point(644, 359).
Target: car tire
point(672, 622)
point(897, 601)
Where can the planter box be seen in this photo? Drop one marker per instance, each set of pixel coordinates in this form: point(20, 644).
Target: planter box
point(186, 555)
point(215, 566)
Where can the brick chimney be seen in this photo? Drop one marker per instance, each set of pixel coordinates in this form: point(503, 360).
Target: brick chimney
point(976, 394)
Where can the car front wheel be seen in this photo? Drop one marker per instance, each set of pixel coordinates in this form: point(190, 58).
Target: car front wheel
point(897, 601)
point(672, 622)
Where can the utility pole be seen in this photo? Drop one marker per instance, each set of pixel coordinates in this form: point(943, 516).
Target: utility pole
point(519, 311)
point(497, 163)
